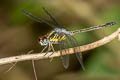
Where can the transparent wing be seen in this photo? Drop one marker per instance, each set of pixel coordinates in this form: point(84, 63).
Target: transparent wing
point(54, 20)
point(64, 58)
point(78, 55)
point(37, 19)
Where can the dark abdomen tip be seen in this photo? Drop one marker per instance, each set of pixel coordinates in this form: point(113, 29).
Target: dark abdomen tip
point(111, 23)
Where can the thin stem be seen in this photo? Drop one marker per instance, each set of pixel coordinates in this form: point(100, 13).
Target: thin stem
point(34, 69)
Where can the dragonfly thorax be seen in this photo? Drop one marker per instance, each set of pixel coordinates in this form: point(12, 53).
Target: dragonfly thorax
point(55, 37)
point(62, 30)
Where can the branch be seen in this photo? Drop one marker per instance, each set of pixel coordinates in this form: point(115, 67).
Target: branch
point(37, 56)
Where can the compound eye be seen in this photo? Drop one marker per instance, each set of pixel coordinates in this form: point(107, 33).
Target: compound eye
point(39, 39)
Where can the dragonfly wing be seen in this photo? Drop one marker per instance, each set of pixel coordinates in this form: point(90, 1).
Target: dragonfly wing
point(64, 58)
point(37, 19)
point(78, 55)
point(65, 61)
point(52, 18)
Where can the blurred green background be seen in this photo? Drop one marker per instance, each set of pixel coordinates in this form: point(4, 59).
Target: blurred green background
point(19, 34)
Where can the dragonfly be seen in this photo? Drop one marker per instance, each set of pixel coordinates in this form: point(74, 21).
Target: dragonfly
point(62, 37)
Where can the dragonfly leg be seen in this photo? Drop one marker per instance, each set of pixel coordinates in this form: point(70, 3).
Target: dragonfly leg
point(49, 48)
point(44, 48)
point(52, 52)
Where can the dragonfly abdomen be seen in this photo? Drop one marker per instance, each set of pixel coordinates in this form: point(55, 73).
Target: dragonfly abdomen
point(94, 28)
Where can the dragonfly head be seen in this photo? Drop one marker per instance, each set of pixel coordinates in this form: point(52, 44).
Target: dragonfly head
point(43, 40)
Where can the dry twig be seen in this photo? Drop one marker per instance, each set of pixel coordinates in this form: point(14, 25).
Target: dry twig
point(83, 48)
